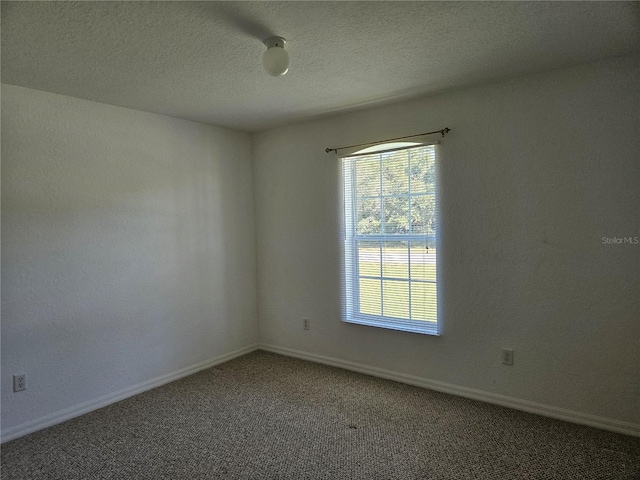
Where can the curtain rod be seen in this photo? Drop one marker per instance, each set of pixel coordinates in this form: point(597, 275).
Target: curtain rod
point(442, 132)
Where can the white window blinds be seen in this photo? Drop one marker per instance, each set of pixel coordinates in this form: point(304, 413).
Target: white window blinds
point(391, 238)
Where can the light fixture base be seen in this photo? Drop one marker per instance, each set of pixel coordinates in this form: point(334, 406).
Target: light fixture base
point(275, 42)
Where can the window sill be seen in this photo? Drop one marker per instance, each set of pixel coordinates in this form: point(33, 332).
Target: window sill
point(413, 326)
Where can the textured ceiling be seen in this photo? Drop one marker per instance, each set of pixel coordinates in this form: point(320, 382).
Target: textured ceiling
point(202, 60)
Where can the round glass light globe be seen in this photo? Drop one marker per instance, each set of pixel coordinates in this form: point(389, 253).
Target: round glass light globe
point(276, 61)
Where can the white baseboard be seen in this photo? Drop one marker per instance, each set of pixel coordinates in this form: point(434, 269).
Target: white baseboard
point(494, 398)
point(91, 405)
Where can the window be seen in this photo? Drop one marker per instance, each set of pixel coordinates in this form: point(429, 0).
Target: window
point(391, 237)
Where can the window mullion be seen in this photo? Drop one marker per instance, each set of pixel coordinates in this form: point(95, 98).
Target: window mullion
point(383, 230)
point(381, 283)
point(355, 248)
point(410, 229)
point(409, 194)
point(382, 222)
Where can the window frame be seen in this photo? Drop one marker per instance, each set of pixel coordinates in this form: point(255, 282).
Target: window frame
point(351, 269)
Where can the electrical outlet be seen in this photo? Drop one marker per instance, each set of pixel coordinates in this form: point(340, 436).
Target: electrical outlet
point(507, 356)
point(306, 324)
point(20, 382)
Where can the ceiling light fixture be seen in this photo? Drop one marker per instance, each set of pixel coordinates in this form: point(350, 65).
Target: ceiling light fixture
point(276, 58)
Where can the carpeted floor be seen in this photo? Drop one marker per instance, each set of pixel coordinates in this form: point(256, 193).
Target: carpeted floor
point(265, 416)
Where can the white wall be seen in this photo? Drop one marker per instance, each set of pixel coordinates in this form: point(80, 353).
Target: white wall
point(128, 249)
point(535, 172)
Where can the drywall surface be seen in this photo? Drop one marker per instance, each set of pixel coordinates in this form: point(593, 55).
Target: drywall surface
point(535, 172)
point(128, 249)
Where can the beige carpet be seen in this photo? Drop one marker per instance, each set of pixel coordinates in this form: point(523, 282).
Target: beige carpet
point(265, 416)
